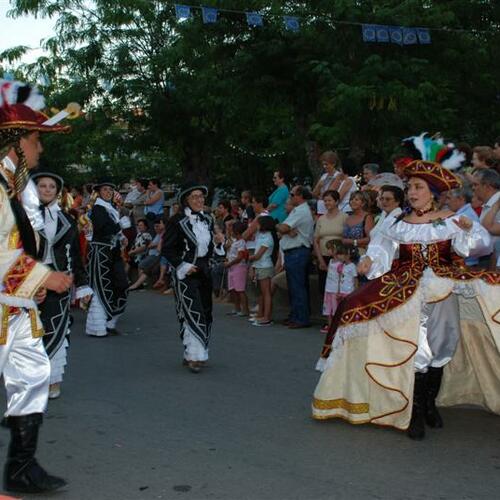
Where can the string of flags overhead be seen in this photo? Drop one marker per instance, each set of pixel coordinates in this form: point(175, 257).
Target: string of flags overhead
point(210, 15)
point(395, 34)
point(371, 33)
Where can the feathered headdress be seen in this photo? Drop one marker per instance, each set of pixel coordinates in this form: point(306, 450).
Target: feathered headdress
point(20, 114)
point(433, 149)
point(20, 106)
point(14, 92)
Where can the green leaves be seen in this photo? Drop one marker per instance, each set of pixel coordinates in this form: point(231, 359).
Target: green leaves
point(177, 94)
point(13, 54)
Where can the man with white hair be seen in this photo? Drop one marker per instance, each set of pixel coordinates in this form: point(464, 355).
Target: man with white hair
point(486, 186)
point(370, 171)
point(458, 201)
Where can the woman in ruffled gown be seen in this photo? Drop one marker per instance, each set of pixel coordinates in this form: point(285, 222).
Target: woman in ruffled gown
point(421, 312)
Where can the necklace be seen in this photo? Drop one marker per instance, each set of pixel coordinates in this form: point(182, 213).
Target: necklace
point(421, 213)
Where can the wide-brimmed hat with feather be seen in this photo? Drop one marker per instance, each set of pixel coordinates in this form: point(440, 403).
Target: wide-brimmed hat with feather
point(20, 106)
point(434, 161)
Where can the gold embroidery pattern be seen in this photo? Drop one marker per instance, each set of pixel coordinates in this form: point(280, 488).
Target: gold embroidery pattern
point(14, 239)
point(347, 419)
point(393, 283)
point(435, 171)
point(9, 176)
point(395, 292)
point(458, 272)
point(18, 273)
point(35, 331)
point(341, 404)
point(397, 287)
point(5, 325)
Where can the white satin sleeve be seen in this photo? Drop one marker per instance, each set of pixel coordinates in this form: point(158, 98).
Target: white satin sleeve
point(473, 243)
point(31, 204)
point(83, 291)
point(382, 252)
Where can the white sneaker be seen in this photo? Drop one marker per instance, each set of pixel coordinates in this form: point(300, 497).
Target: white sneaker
point(262, 323)
point(54, 391)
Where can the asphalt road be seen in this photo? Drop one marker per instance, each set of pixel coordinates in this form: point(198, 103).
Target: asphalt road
point(132, 423)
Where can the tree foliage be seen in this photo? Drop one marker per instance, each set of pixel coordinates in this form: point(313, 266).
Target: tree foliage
point(176, 98)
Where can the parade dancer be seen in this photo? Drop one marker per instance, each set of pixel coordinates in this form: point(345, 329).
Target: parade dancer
point(188, 246)
point(384, 355)
point(23, 361)
point(59, 250)
point(106, 268)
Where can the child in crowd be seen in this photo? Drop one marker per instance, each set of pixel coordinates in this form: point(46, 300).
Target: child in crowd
point(149, 265)
point(140, 245)
point(237, 269)
point(341, 279)
point(263, 261)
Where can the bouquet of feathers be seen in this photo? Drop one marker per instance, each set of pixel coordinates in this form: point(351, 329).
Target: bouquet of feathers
point(425, 147)
point(14, 92)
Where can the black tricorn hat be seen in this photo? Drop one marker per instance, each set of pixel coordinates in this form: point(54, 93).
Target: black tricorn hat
point(188, 188)
point(57, 178)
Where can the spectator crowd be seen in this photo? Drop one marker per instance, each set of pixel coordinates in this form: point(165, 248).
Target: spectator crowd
point(295, 236)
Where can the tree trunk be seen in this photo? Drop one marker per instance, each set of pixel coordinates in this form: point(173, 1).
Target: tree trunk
point(195, 167)
point(312, 155)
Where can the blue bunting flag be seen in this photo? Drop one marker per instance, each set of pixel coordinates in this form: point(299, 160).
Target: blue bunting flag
point(396, 33)
point(254, 19)
point(383, 34)
point(291, 23)
point(409, 36)
point(369, 32)
point(424, 36)
point(209, 15)
point(182, 12)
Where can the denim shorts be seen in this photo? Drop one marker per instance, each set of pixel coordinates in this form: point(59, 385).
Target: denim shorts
point(262, 273)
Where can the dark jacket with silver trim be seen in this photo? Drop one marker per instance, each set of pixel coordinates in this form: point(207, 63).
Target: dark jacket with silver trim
point(65, 249)
point(179, 241)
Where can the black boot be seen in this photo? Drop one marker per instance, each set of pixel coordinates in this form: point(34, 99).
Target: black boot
point(22, 473)
point(416, 430)
point(432, 416)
